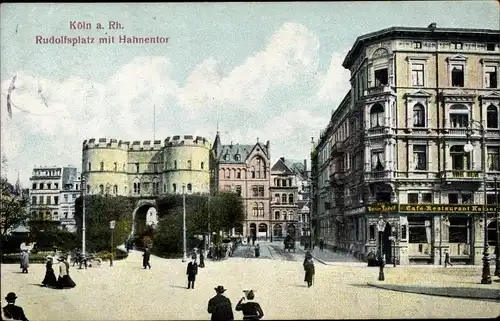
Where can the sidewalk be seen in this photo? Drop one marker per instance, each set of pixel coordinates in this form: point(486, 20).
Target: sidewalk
point(329, 257)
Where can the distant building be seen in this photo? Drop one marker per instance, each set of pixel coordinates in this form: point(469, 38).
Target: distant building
point(244, 169)
point(53, 192)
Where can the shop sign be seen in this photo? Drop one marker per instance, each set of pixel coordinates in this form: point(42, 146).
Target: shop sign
point(447, 208)
point(382, 208)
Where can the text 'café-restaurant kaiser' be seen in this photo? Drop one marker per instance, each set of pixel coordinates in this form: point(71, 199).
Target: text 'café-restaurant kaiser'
point(420, 233)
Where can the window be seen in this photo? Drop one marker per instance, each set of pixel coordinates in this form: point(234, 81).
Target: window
point(420, 157)
point(492, 117)
point(237, 157)
point(56, 216)
point(467, 198)
point(88, 189)
point(490, 199)
point(146, 186)
point(493, 158)
point(40, 198)
point(284, 183)
point(56, 200)
point(102, 166)
point(253, 172)
point(238, 190)
point(419, 229)
point(460, 160)
point(378, 161)
point(33, 200)
point(42, 185)
point(174, 187)
point(417, 45)
point(49, 186)
point(65, 215)
point(115, 166)
point(457, 76)
point(156, 188)
point(255, 191)
point(261, 209)
point(418, 116)
point(427, 198)
point(277, 215)
point(137, 188)
point(381, 77)
point(490, 77)
point(34, 186)
point(202, 165)
point(413, 198)
point(453, 198)
point(189, 164)
point(277, 198)
point(417, 74)
point(457, 45)
point(101, 189)
point(238, 174)
point(90, 166)
point(56, 185)
point(175, 164)
point(228, 173)
point(490, 47)
point(459, 120)
point(492, 233)
point(290, 198)
point(261, 191)
point(48, 200)
point(377, 116)
point(190, 188)
point(255, 210)
point(115, 189)
point(372, 232)
point(459, 230)
point(137, 167)
point(290, 182)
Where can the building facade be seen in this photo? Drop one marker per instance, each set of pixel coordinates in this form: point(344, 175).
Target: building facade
point(286, 178)
point(406, 145)
point(53, 192)
point(146, 169)
point(245, 170)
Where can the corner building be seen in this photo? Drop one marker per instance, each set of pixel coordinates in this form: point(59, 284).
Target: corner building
point(395, 147)
point(148, 168)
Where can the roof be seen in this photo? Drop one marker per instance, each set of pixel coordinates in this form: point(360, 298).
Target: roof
point(288, 165)
point(431, 33)
point(236, 153)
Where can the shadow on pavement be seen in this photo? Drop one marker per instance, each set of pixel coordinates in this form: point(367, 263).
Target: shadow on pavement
point(364, 286)
point(299, 285)
point(179, 287)
point(475, 293)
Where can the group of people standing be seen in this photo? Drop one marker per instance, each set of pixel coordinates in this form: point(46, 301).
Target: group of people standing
point(64, 280)
point(220, 307)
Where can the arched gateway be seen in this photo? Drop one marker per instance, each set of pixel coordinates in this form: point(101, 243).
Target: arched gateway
point(139, 215)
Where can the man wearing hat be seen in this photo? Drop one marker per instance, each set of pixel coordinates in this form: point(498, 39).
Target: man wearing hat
point(12, 311)
point(220, 307)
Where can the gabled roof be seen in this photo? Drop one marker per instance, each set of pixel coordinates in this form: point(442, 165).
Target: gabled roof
point(234, 154)
point(280, 166)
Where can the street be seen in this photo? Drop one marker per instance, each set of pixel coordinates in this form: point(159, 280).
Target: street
point(126, 291)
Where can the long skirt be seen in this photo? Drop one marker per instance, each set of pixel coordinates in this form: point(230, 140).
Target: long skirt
point(25, 261)
point(65, 282)
point(308, 277)
point(50, 279)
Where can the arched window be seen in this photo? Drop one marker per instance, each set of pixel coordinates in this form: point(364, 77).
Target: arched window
point(115, 189)
point(238, 174)
point(101, 189)
point(418, 116)
point(202, 165)
point(460, 160)
point(90, 166)
point(277, 198)
point(290, 198)
point(190, 188)
point(284, 215)
point(189, 164)
point(261, 209)
point(492, 117)
point(377, 116)
point(174, 188)
point(102, 166)
point(255, 210)
point(290, 216)
point(283, 182)
point(459, 116)
point(276, 215)
point(283, 198)
point(137, 188)
point(115, 166)
point(278, 230)
point(253, 172)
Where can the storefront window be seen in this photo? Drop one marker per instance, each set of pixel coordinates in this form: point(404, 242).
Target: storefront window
point(419, 232)
point(372, 232)
point(459, 230)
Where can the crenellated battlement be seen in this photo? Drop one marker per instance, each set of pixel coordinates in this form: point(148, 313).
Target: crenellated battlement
point(187, 140)
point(146, 145)
point(105, 143)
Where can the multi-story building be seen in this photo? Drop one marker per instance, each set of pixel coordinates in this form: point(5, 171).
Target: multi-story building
point(288, 209)
point(146, 169)
point(244, 169)
point(396, 146)
point(53, 192)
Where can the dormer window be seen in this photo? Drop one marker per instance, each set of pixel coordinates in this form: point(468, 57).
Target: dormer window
point(237, 157)
point(226, 157)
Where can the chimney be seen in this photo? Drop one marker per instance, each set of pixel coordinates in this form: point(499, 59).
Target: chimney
point(282, 159)
point(432, 26)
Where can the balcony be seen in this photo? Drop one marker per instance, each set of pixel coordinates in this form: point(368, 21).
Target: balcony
point(462, 175)
point(379, 131)
point(337, 149)
point(378, 90)
point(379, 176)
point(456, 131)
point(337, 178)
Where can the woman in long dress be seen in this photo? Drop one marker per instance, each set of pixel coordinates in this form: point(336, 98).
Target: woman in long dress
point(25, 256)
point(309, 269)
point(50, 278)
point(64, 280)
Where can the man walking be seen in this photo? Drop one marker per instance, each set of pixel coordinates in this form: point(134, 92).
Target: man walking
point(220, 307)
point(192, 270)
point(321, 244)
point(447, 259)
point(145, 258)
point(12, 311)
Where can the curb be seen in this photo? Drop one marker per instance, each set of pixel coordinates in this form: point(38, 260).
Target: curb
point(431, 291)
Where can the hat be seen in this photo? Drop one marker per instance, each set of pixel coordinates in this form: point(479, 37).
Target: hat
point(11, 297)
point(48, 257)
point(220, 289)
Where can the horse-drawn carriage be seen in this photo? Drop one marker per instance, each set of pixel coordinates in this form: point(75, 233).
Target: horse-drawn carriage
point(289, 243)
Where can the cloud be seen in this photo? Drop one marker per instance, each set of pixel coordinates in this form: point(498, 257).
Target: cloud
point(277, 94)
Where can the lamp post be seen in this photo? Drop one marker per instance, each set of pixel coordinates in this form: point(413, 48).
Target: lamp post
point(486, 277)
point(112, 227)
point(394, 246)
point(497, 248)
point(83, 187)
point(184, 257)
point(381, 226)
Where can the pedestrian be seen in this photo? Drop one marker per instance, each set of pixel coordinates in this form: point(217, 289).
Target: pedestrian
point(192, 270)
point(220, 307)
point(12, 311)
point(64, 280)
point(253, 240)
point(145, 258)
point(248, 239)
point(309, 269)
point(321, 244)
point(251, 310)
point(202, 259)
point(257, 251)
point(447, 259)
point(25, 256)
point(50, 278)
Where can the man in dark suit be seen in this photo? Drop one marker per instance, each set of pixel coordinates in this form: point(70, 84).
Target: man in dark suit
point(220, 306)
point(12, 311)
point(192, 270)
point(145, 258)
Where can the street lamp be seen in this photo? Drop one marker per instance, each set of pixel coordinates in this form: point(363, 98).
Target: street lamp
point(184, 257)
point(112, 227)
point(394, 245)
point(486, 277)
point(83, 187)
point(381, 226)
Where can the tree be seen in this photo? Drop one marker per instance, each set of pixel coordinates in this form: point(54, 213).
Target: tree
point(226, 211)
point(99, 211)
point(13, 206)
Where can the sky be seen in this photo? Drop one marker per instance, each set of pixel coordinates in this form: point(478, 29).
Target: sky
point(266, 71)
